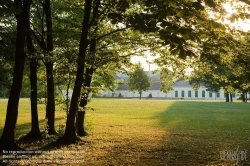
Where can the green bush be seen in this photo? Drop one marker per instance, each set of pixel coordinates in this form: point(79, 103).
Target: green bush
point(120, 95)
point(150, 95)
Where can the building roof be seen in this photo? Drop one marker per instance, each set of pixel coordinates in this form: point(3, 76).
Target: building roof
point(156, 85)
point(154, 77)
point(182, 84)
point(123, 87)
point(155, 81)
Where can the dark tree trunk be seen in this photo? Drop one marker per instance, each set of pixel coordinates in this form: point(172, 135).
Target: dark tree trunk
point(80, 123)
point(84, 101)
point(140, 96)
point(243, 97)
point(47, 9)
point(70, 134)
point(231, 97)
point(47, 48)
point(50, 107)
point(35, 131)
point(227, 97)
point(246, 98)
point(8, 136)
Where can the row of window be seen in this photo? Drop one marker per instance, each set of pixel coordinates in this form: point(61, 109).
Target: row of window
point(202, 95)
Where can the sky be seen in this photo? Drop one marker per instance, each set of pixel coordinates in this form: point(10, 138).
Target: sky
point(143, 61)
point(240, 24)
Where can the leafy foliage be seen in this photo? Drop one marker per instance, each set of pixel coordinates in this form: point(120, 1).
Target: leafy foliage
point(139, 80)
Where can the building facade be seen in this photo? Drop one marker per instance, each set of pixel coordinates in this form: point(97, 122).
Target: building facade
point(180, 90)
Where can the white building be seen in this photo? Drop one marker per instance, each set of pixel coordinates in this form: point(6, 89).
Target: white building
point(180, 90)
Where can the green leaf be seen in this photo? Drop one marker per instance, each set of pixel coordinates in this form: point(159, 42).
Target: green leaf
point(199, 20)
point(175, 51)
point(172, 3)
point(181, 13)
point(182, 55)
point(242, 16)
point(186, 36)
point(202, 36)
point(216, 25)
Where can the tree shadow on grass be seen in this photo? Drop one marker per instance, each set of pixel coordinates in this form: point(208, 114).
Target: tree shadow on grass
point(44, 150)
point(24, 128)
point(197, 136)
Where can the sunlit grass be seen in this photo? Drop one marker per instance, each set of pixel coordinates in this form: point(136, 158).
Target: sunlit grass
point(154, 132)
point(24, 116)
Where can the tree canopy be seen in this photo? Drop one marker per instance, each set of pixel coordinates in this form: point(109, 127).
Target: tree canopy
point(139, 80)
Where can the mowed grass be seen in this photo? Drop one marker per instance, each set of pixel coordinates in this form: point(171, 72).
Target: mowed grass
point(24, 116)
point(151, 132)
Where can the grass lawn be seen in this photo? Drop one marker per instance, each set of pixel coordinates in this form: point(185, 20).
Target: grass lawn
point(150, 132)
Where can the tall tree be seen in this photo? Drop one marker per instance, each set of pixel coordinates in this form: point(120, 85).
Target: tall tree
point(45, 41)
point(103, 46)
point(83, 102)
point(139, 80)
point(50, 107)
point(35, 131)
point(22, 16)
point(70, 134)
point(241, 61)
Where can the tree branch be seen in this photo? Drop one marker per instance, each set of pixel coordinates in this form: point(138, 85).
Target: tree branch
point(95, 12)
point(112, 32)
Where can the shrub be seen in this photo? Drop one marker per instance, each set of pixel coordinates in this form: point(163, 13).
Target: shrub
point(120, 95)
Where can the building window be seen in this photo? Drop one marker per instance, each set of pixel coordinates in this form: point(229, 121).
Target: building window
point(189, 93)
point(203, 93)
point(182, 93)
point(176, 93)
point(218, 94)
point(210, 94)
point(196, 93)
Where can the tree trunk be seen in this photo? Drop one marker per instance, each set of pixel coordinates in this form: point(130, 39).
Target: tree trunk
point(140, 96)
point(231, 97)
point(84, 101)
point(50, 107)
point(227, 97)
point(70, 135)
point(8, 136)
point(35, 131)
point(243, 97)
point(246, 98)
point(80, 123)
